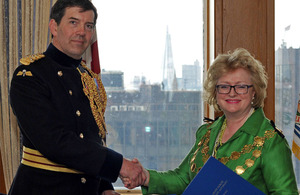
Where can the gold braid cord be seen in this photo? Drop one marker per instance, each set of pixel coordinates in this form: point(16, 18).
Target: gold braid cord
point(96, 95)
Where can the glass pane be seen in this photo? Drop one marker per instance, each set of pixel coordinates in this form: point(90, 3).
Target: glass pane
point(151, 56)
point(287, 69)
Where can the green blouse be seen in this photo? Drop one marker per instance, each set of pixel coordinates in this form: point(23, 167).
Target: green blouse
point(257, 152)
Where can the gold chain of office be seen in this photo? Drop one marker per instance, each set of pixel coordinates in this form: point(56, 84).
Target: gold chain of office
point(256, 147)
point(96, 95)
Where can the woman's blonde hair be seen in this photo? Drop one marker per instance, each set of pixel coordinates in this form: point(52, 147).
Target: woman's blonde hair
point(224, 63)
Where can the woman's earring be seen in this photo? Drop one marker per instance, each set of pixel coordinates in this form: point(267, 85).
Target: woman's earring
point(252, 100)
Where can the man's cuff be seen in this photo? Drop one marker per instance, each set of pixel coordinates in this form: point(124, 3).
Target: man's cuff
point(111, 166)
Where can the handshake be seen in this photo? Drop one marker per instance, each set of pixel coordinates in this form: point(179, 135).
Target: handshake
point(133, 174)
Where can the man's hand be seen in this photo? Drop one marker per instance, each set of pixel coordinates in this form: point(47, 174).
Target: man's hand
point(132, 172)
point(127, 181)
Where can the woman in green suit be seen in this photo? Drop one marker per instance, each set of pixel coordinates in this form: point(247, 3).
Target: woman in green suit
point(243, 138)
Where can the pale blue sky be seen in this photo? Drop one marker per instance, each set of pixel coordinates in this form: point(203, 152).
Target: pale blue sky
point(132, 34)
point(287, 13)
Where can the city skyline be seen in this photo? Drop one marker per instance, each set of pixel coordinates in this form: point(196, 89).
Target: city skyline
point(132, 40)
point(132, 35)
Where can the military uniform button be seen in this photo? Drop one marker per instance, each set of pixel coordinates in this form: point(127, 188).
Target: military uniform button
point(83, 180)
point(60, 73)
point(78, 113)
point(70, 92)
point(81, 135)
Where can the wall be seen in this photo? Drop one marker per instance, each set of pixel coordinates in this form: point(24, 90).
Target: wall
point(249, 24)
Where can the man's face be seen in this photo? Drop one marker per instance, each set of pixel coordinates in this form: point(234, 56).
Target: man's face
point(74, 33)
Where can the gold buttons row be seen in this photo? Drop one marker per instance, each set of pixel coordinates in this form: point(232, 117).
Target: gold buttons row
point(78, 113)
point(60, 73)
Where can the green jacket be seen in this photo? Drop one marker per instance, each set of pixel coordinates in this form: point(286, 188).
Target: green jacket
point(257, 151)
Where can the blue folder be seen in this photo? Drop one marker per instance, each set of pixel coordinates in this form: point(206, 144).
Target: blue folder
point(215, 178)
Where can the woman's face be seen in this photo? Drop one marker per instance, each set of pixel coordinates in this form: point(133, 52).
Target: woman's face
point(233, 103)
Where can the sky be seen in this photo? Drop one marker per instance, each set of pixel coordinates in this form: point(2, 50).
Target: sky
point(132, 33)
point(287, 14)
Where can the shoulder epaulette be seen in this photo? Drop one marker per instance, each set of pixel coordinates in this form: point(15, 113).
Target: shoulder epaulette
point(280, 132)
point(31, 58)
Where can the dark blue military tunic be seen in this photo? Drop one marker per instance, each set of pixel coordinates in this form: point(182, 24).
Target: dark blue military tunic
point(56, 119)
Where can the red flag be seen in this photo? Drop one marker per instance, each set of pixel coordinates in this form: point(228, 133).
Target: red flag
point(91, 56)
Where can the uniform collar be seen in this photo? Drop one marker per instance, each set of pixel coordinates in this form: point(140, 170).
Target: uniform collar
point(251, 126)
point(60, 57)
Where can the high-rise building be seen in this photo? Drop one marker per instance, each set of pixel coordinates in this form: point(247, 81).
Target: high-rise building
point(112, 80)
point(287, 90)
point(138, 81)
point(169, 81)
point(144, 124)
point(287, 87)
point(192, 76)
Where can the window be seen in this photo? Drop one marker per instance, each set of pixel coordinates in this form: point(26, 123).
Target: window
point(151, 56)
point(287, 69)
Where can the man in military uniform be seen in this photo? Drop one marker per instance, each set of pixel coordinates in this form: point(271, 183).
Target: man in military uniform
point(60, 104)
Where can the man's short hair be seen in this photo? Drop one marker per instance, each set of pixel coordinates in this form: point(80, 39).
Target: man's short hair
point(59, 8)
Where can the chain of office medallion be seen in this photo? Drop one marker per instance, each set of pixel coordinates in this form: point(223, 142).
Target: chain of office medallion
point(257, 145)
point(204, 141)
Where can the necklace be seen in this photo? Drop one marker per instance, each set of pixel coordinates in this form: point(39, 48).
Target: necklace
point(219, 142)
point(220, 137)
